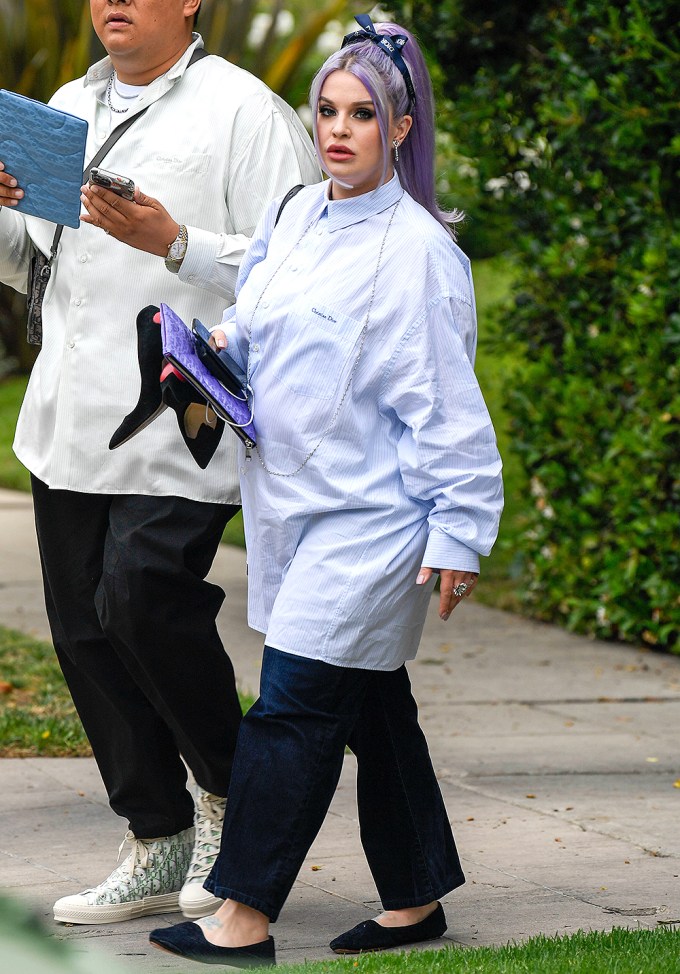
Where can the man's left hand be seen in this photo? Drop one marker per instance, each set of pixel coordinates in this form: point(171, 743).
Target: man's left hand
point(143, 223)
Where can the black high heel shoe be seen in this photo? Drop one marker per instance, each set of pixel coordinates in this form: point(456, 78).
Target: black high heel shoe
point(200, 427)
point(150, 357)
point(160, 389)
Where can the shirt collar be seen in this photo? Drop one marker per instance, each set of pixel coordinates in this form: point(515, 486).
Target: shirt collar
point(345, 213)
point(98, 75)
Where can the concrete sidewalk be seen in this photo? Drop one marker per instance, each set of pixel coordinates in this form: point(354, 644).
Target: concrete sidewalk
point(557, 757)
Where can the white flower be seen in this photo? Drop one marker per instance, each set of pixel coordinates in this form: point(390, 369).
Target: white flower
point(331, 38)
point(466, 170)
point(527, 152)
point(537, 488)
point(522, 180)
point(258, 29)
point(497, 186)
point(498, 182)
point(285, 22)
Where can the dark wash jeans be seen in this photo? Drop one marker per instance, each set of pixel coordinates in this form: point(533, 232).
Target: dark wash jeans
point(287, 764)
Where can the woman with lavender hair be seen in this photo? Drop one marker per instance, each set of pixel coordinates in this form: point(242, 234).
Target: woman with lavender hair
point(376, 467)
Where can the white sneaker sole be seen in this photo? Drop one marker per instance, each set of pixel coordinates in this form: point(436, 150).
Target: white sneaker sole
point(193, 907)
point(116, 912)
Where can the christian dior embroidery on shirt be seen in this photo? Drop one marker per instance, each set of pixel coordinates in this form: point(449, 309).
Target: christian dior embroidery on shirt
point(322, 315)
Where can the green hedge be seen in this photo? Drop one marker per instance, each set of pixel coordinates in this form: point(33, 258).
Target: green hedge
point(570, 111)
point(596, 414)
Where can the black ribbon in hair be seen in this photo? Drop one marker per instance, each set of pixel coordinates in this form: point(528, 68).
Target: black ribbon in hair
point(390, 44)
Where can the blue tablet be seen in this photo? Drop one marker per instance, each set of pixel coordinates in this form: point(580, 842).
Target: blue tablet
point(44, 149)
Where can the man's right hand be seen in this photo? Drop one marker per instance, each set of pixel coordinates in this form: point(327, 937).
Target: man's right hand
point(9, 193)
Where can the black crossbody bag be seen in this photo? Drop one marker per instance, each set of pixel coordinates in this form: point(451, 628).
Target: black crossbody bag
point(40, 266)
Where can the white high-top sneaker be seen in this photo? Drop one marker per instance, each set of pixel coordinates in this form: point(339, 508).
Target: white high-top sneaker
point(147, 882)
point(194, 900)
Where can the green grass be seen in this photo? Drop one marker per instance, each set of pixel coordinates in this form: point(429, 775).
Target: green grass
point(12, 474)
point(37, 717)
point(36, 712)
point(618, 952)
point(233, 533)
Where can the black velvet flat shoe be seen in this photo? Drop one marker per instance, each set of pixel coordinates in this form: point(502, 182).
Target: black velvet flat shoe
point(150, 357)
point(369, 935)
point(187, 940)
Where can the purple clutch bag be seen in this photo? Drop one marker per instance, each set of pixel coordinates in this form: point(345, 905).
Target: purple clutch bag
point(179, 348)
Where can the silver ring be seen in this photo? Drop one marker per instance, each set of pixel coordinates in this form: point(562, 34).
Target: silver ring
point(460, 590)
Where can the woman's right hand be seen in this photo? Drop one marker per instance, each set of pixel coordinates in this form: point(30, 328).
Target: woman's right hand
point(218, 339)
point(10, 194)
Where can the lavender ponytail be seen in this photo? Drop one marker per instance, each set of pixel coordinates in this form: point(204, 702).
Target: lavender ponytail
point(385, 84)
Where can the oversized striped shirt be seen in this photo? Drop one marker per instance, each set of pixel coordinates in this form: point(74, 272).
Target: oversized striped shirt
point(376, 453)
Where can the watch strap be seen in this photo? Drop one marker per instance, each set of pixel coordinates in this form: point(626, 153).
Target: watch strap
point(174, 263)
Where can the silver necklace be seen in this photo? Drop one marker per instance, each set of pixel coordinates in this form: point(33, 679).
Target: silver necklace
point(109, 89)
point(362, 340)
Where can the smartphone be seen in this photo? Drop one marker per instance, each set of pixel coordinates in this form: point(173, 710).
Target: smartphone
point(110, 180)
point(220, 363)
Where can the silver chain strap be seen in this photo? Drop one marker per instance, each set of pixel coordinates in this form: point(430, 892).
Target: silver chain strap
point(362, 340)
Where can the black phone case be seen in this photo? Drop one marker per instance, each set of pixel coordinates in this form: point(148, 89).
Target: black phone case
point(221, 364)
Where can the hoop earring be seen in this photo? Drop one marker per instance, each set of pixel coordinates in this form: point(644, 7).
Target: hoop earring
point(395, 145)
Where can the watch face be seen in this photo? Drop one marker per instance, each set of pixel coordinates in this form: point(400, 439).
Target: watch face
point(178, 249)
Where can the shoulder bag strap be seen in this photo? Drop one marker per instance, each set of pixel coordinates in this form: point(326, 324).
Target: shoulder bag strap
point(199, 53)
point(286, 199)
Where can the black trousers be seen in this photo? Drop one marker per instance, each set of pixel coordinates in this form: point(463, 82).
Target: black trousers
point(133, 625)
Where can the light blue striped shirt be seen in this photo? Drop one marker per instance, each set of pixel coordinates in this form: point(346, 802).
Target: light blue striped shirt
point(404, 471)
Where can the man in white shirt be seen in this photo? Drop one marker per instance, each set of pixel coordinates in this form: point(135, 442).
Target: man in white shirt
point(127, 536)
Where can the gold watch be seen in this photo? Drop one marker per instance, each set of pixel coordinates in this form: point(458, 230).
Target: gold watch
point(177, 250)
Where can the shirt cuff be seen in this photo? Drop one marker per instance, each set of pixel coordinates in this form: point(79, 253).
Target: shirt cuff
point(201, 266)
point(442, 551)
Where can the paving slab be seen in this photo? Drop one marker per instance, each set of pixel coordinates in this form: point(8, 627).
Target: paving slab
point(556, 755)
